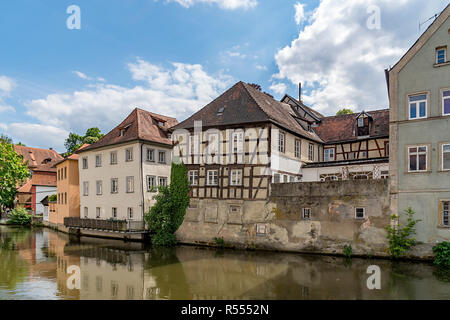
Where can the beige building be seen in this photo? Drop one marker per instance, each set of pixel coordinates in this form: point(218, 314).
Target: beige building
point(119, 174)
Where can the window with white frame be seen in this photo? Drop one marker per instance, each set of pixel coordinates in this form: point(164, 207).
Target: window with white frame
point(417, 106)
point(86, 188)
point(114, 185)
point(238, 142)
point(98, 187)
point(113, 157)
point(297, 148)
point(417, 158)
point(445, 213)
point(276, 178)
point(151, 183)
point(130, 184)
point(162, 157)
point(306, 213)
point(441, 55)
point(98, 212)
point(85, 163)
point(236, 178)
point(328, 154)
point(150, 155)
point(281, 141)
point(360, 122)
point(212, 178)
point(311, 152)
point(193, 177)
point(114, 212)
point(162, 181)
point(129, 154)
point(446, 102)
point(130, 213)
point(98, 160)
point(86, 212)
point(446, 157)
point(360, 213)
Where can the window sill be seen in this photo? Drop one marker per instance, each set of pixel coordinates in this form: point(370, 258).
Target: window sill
point(437, 65)
point(418, 172)
point(443, 227)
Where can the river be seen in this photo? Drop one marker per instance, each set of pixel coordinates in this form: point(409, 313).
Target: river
point(43, 264)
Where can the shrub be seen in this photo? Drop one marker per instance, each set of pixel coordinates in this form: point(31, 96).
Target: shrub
point(220, 242)
point(19, 216)
point(348, 251)
point(52, 198)
point(401, 237)
point(442, 254)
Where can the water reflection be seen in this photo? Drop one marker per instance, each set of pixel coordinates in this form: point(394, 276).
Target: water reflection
point(33, 265)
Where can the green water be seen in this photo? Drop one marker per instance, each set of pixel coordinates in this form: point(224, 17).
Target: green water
point(35, 264)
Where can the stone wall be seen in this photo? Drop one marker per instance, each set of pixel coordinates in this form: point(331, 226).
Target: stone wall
point(277, 224)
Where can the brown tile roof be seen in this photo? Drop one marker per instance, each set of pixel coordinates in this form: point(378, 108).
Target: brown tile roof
point(73, 156)
point(26, 188)
point(36, 156)
point(242, 104)
point(139, 125)
point(343, 128)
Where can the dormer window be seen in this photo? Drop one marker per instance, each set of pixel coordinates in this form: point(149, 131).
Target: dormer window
point(441, 55)
point(360, 122)
point(220, 111)
point(161, 124)
point(363, 125)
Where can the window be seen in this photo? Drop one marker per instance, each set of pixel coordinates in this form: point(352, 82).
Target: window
point(276, 178)
point(98, 212)
point(114, 185)
point(311, 152)
point(129, 154)
point(238, 142)
point(98, 283)
point(360, 122)
point(213, 178)
point(386, 149)
point(85, 163)
point(162, 181)
point(65, 197)
point(86, 212)
point(328, 154)
point(130, 184)
point(113, 157)
point(446, 103)
point(65, 172)
point(162, 157)
point(297, 148)
point(360, 213)
point(306, 213)
point(291, 179)
point(151, 183)
point(193, 177)
point(285, 178)
point(235, 209)
point(151, 155)
point(445, 213)
point(236, 178)
point(441, 55)
point(418, 106)
point(446, 157)
point(114, 213)
point(261, 229)
point(98, 160)
point(384, 174)
point(364, 154)
point(98, 187)
point(85, 188)
point(417, 158)
point(130, 213)
point(281, 140)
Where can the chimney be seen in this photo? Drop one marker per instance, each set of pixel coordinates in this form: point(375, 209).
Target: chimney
point(300, 91)
point(50, 148)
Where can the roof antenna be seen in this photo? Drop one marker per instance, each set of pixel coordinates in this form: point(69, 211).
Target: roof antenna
point(433, 17)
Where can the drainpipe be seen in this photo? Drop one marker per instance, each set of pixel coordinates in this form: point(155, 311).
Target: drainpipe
point(142, 182)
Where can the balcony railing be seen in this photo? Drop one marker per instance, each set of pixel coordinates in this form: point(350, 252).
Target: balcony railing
point(109, 225)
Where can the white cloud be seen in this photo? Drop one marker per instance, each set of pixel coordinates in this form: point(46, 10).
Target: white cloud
point(6, 86)
point(37, 135)
point(223, 4)
point(83, 76)
point(299, 12)
point(340, 61)
point(176, 91)
point(261, 67)
point(278, 88)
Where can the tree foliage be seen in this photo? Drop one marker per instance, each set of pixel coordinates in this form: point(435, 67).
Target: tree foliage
point(74, 141)
point(20, 217)
point(344, 111)
point(401, 236)
point(442, 254)
point(5, 139)
point(12, 172)
point(167, 215)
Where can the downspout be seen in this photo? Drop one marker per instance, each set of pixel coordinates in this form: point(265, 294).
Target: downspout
point(142, 182)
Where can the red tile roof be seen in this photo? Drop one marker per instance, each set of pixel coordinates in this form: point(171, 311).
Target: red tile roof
point(35, 156)
point(343, 128)
point(139, 125)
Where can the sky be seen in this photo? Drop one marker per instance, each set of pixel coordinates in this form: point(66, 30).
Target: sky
point(61, 72)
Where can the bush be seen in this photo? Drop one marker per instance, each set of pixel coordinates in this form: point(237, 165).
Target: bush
point(442, 254)
point(220, 242)
point(53, 198)
point(401, 237)
point(19, 216)
point(348, 251)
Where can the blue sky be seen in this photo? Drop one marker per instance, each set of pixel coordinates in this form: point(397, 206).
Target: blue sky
point(174, 56)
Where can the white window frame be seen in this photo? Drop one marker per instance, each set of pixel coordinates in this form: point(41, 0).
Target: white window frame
point(212, 177)
point(417, 102)
point(445, 54)
point(298, 148)
point(150, 155)
point(99, 187)
point(86, 188)
point(193, 177)
point(417, 153)
point(113, 157)
point(443, 102)
point(238, 142)
point(276, 178)
point(98, 213)
point(164, 158)
point(306, 216)
point(128, 154)
point(311, 152)
point(328, 157)
point(151, 183)
point(114, 181)
point(130, 184)
point(85, 163)
point(236, 177)
point(442, 155)
point(160, 179)
point(364, 213)
point(98, 160)
point(281, 142)
point(360, 122)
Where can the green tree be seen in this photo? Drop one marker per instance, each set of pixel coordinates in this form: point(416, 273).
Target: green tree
point(167, 215)
point(74, 141)
point(12, 172)
point(401, 236)
point(344, 111)
point(4, 138)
